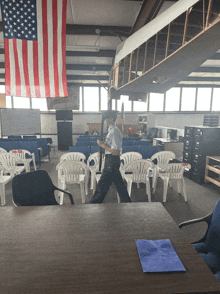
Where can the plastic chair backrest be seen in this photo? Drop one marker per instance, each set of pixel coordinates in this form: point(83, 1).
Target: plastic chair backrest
point(71, 170)
point(93, 159)
point(33, 188)
point(8, 160)
point(73, 156)
point(129, 156)
point(140, 169)
point(176, 170)
point(163, 158)
point(2, 150)
point(31, 146)
point(213, 236)
point(21, 153)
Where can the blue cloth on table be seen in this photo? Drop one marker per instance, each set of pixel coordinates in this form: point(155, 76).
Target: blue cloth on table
point(158, 256)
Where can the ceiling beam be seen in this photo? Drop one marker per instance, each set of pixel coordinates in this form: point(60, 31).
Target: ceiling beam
point(87, 77)
point(197, 86)
point(148, 11)
point(89, 67)
point(87, 84)
point(207, 69)
point(77, 29)
point(100, 53)
point(201, 79)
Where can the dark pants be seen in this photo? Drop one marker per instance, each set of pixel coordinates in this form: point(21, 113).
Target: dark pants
point(110, 174)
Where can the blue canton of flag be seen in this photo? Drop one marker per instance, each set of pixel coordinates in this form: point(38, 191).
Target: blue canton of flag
point(19, 19)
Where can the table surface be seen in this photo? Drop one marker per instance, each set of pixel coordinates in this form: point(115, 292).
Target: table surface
point(91, 249)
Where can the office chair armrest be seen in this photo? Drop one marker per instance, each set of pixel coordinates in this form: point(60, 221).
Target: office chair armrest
point(66, 192)
point(206, 219)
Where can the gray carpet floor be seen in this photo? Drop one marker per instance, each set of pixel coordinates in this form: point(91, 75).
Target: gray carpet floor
point(201, 198)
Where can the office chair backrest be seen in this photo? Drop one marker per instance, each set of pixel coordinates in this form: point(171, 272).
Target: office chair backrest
point(33, 188)
point(213, 235)
point(152, 133)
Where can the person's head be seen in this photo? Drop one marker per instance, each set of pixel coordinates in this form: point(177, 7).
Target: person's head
point(110, 121)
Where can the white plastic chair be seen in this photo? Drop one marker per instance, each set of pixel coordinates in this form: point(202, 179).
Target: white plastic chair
point(94, 168)
point(76, 156)
point(9, 163)
point(3, 181)
point(139, 174)
point(163, 158)
point(21, 154)
point(174, 172)
point(128, 157)
point(72, 172)
point(73, 156)
point(2, 150)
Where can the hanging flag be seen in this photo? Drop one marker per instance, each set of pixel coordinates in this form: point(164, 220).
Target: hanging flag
point(35, 47)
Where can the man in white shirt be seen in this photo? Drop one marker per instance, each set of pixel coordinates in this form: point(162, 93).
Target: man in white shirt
point(111, 173)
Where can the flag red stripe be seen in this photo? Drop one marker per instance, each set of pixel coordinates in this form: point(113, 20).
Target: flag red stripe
point(36, 69)
point(45, 48)
point(64, 48)
point(25, 67)
point(55, 48)
point(17, 71)
point(7, 69)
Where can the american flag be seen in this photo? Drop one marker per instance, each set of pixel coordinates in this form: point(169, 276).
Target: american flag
point(35, 47)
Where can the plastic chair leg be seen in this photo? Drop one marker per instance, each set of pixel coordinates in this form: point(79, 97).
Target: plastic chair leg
point(165, 188)
point(119, 198)
point(155, 176)
point(82, 186)
point(138, 185)
point(129, 184)
point(184, 190)
point(2, 194)
point(148, 192)
point(178, 186)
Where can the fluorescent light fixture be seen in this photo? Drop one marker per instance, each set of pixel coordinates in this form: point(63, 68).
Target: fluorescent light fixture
point(83, 48)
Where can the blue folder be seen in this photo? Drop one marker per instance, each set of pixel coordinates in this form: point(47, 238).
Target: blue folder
point(158, 256)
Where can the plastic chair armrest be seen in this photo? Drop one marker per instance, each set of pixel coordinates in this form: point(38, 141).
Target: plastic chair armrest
point(207, 219)
point(66, 192)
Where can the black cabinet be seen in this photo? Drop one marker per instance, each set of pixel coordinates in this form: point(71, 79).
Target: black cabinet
point(200, 142)
point(64, 132)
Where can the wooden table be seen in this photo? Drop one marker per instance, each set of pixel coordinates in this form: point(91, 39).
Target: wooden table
point(91, 249)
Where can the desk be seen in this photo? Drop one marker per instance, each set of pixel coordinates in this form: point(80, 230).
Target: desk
point(91, 249)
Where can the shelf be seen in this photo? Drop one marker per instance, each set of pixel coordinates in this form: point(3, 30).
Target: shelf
point(212, 181)
point(208, 167)
point(212, 168)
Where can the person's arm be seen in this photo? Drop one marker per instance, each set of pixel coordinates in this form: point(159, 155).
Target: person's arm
point(103, 145)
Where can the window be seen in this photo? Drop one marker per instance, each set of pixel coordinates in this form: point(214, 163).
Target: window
point(20, 102)
point(114, 101)
point(91, 99)
point(204, 99)
point(172, 99)
point(139, 106)
point(39, 103)
point(2, 89)
point(156, 102)
point(216, 99)
point(127, 103)
point(188, 99)
point(104, 99)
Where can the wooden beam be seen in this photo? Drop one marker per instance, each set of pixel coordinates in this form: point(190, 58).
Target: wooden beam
point(87, 84)
point(100, 53)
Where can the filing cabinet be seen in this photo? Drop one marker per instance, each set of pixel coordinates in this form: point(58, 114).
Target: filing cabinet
point(200, 142)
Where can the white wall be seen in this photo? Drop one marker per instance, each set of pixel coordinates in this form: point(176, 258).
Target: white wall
point(169, 119)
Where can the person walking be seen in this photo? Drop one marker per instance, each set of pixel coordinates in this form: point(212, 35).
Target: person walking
point(111, 173)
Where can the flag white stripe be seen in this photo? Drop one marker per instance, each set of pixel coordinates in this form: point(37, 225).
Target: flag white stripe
point(50, 47)
point(12, 66)
point(21, 69)
point(40, 48)
point(59, 43)
point(30, 66)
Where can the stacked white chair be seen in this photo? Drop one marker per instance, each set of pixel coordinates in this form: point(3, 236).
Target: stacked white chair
point(21, 154)
point(9, 163)
point(79, 156)
point(94, 168)
point(163, 158)
point(174, 173)
point(72, 172)
point(126, 158)
point(139, 174)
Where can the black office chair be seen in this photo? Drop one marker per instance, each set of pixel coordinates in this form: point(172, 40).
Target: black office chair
point(152, 133)
point(35, 188)
point(209, 246)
